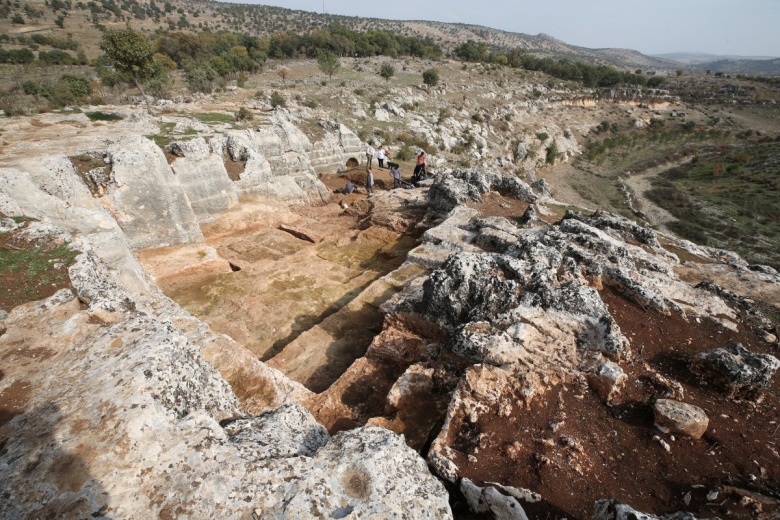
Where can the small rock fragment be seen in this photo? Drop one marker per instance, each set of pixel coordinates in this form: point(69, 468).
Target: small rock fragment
point(670, 415)
point(606, 378)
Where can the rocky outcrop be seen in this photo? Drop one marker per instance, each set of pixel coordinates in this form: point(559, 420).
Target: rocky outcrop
point(332, 152)
point(146, 198)
point(121, 416)
point(613, 510)
point(736, 370)
point(204, 178)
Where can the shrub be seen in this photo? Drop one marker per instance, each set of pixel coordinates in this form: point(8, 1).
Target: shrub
point(244, 114)
point(552, 153)
point(277, 100)
point(477, 118)
point(30, 87)
point(431, 77)
point(386, 71)
point(79, 86)
point(444, 113)
point(542, 136)
point(199, 75)
point(404, 154)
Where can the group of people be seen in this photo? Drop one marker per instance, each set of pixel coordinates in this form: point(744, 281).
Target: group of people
point(381, 155)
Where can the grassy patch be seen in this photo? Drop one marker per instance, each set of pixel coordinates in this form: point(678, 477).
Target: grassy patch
point(31, 272)
point(102, 116)
point(160, 140)
point(728, 199)
point(214, 117)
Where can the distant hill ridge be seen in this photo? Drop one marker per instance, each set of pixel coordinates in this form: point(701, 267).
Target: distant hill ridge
point(449, 35)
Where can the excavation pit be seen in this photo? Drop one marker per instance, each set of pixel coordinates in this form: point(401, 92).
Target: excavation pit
point(299, 286)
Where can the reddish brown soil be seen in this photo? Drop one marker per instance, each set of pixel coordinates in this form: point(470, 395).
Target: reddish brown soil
point(495, 204)
point(600, 451)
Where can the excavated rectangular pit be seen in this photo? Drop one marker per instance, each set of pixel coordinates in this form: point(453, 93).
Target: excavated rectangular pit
point(307, 300)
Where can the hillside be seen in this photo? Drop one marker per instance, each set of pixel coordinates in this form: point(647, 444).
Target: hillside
point(81, 21)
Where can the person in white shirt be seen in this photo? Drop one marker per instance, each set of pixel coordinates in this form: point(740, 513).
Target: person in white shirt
point(380, 156)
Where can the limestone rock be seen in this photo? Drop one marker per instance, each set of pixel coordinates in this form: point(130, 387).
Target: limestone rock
point(736, 370)
point(606, 509)
point(204, 178)
point(606, 378)
point(122, 419)
point(148, 200)
point(489, 499)
point(368, 472)
point(416, 379)
point(680, 417)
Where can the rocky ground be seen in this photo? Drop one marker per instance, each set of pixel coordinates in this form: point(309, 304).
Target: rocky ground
point(235, 339)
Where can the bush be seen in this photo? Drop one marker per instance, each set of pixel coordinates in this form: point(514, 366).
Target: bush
point(200, 76)
point(13, 105)
point(552, 153)
point(30, 87)
point(16, 56)
point(542, 136)
point(56, 57)
point(244, 114)
point(431, 77)
point(386, 71)
point(277, 100)
point(79, 86)
point(404, 154)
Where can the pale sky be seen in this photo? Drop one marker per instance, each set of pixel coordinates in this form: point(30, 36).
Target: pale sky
point(724, 27)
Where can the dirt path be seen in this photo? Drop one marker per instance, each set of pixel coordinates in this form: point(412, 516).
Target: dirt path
point(640, 183)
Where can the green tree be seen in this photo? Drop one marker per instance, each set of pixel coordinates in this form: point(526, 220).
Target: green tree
point(431, 77)
point(328, 62)
point(132, 53)
point(386, 71)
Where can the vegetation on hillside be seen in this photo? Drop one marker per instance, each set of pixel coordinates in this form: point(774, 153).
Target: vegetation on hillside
point(729, 199)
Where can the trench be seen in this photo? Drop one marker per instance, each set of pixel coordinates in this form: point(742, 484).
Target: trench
point(301, 287)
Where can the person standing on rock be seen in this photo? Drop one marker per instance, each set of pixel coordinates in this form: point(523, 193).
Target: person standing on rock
point(369, 156)
point(396, 173)
point(380, 156)
point(370, 183)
